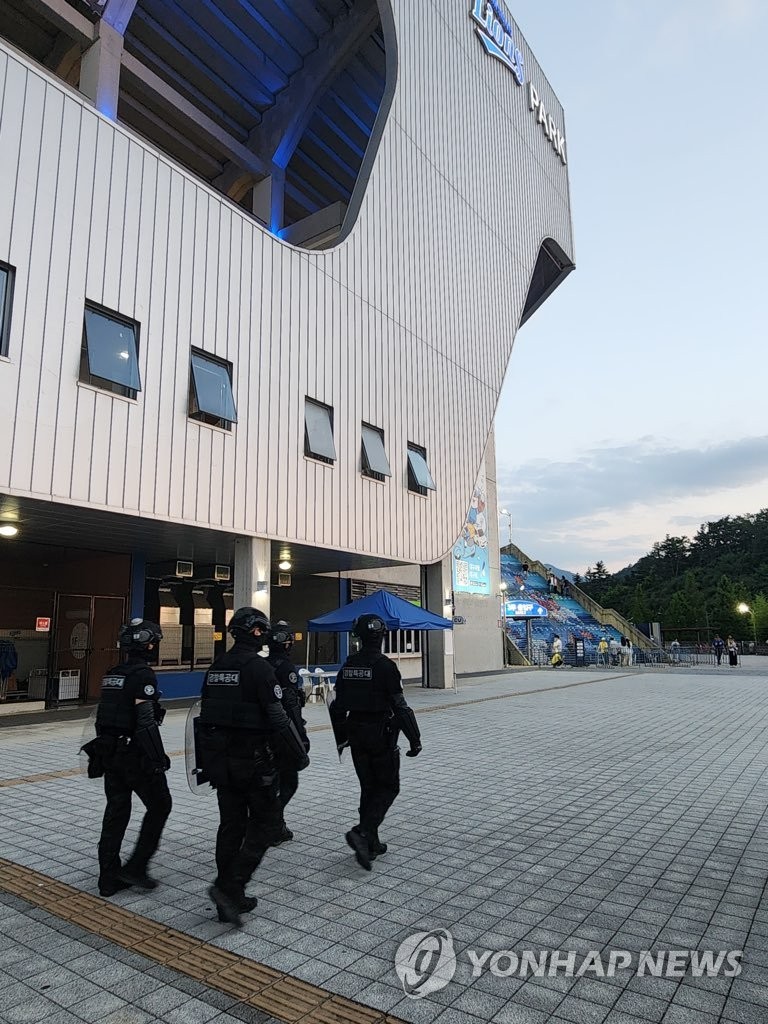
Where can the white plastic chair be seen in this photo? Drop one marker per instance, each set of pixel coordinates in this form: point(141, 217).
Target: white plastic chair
point(305, 677)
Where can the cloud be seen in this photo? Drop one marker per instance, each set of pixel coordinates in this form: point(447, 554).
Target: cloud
point(613, 502)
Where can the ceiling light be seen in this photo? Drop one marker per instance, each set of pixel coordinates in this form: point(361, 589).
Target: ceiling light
point(284, 566)
point(8, 530)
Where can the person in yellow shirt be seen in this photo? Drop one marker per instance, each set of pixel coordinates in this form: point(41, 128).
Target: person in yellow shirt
point(602, 651)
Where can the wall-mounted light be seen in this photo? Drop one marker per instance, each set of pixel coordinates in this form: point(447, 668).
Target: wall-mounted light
point(8, 530)
point(284, 566)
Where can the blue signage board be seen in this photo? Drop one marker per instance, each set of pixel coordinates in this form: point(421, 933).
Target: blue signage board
point(524, 610)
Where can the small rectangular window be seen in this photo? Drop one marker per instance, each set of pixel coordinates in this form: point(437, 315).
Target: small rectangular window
point(6, 301)
point(210, 391)
point(374, 459)
point(318, 431)
point(109, 358)
point(419, 478)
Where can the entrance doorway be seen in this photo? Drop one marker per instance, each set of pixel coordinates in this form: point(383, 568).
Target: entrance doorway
point(85, 644)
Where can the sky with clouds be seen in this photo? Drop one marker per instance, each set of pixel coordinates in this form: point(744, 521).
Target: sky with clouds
point(648, 367)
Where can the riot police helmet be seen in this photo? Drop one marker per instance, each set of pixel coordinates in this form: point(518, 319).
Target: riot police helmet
point(369, 629)
point(281, 636)
point(245, 620)
point(140, 634)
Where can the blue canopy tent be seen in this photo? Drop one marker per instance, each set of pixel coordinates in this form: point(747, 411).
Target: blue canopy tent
point(394, 611)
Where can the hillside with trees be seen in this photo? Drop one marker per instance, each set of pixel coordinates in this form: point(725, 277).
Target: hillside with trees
point(693, 587)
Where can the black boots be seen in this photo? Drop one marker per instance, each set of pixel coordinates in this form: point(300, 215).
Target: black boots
point(359, 843)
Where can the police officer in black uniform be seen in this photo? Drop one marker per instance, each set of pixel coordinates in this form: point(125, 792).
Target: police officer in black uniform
point(293, 699)
point(128, 752)
point(243, 726)
point(368, 712)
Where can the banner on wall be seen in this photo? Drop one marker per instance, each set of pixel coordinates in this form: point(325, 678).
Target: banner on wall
point(471, 571)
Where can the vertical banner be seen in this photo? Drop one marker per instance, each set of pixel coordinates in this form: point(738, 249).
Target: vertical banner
point(471, 571)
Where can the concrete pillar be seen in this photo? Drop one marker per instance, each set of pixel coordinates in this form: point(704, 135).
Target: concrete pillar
point(100, 70)
point(138, 580)
point(253, 572)
point(269, 200)
point(437, 590)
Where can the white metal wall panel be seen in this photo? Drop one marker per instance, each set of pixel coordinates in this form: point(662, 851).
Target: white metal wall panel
point(408, 324)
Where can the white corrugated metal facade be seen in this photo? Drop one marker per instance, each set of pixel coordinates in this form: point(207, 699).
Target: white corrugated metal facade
point(407, 324)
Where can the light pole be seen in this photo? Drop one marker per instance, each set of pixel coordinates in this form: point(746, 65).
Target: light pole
point(743, 609)
point(504, 512)
point(503, 597)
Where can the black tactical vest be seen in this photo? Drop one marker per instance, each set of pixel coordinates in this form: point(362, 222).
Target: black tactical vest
point(224, 698)
point(362, 685)
point(117, 705)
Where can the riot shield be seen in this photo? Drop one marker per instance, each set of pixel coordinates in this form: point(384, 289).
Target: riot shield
point(88, 737)
point(338, 729)
point(197, 780)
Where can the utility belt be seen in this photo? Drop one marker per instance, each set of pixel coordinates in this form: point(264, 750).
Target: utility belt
point(237, 759)
point(369, 729)
point(113, 753)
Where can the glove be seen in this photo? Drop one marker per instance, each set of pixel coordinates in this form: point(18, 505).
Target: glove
point(167, 763)
point(306, 744)
point(414, 751)
point(302, 764)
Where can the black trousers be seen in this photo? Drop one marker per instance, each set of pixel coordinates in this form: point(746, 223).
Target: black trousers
point(153, 792)
point(289, 783)
point(250, 820)
point(377, 763)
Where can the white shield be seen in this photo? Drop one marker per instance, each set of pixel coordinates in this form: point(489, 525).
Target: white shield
point(197, 780)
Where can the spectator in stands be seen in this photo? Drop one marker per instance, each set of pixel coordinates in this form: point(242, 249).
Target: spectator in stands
point(733, 651)
point(551, 583)
point(718, 645)
point(564, 587)
point(674, 650)
point(602, 651)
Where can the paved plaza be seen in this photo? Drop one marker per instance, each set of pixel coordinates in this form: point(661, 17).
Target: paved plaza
point(569, 811)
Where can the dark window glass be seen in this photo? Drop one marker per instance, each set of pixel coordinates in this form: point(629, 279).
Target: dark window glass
point(6, 299)
point(419, 478)
point(110, 352)
point(374, 456)
point(318, 431)
point(210, 394)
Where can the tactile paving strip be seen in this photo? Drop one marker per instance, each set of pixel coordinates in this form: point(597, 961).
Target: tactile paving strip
point(285, 998)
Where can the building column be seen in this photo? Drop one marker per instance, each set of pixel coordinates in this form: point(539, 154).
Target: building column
point(138, 582)
point(437, 591)
point(100, 69)
point(253, 573)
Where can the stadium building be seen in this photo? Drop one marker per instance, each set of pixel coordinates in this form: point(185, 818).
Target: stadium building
point(262, 265)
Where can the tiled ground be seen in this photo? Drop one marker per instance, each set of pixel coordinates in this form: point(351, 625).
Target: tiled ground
point(628, 814)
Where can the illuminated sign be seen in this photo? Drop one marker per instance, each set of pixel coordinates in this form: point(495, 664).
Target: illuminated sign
point(524, 610)
point(547, 122)
point(494, 29)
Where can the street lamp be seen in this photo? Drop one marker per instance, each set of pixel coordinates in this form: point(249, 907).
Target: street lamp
point(503, 587)
point(743, 609)
point(504, 512)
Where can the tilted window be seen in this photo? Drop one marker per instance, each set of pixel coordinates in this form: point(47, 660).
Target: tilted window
point(419, 477)
point(318, 431)
point(374, 459)
point(109, 357)
point(6, 300)
point(210, 391)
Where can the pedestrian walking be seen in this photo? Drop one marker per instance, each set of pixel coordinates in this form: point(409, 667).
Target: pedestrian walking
point(128, 752)
point(243, 725)
point(368, 712)
point(733, 651)
point(280, 643)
